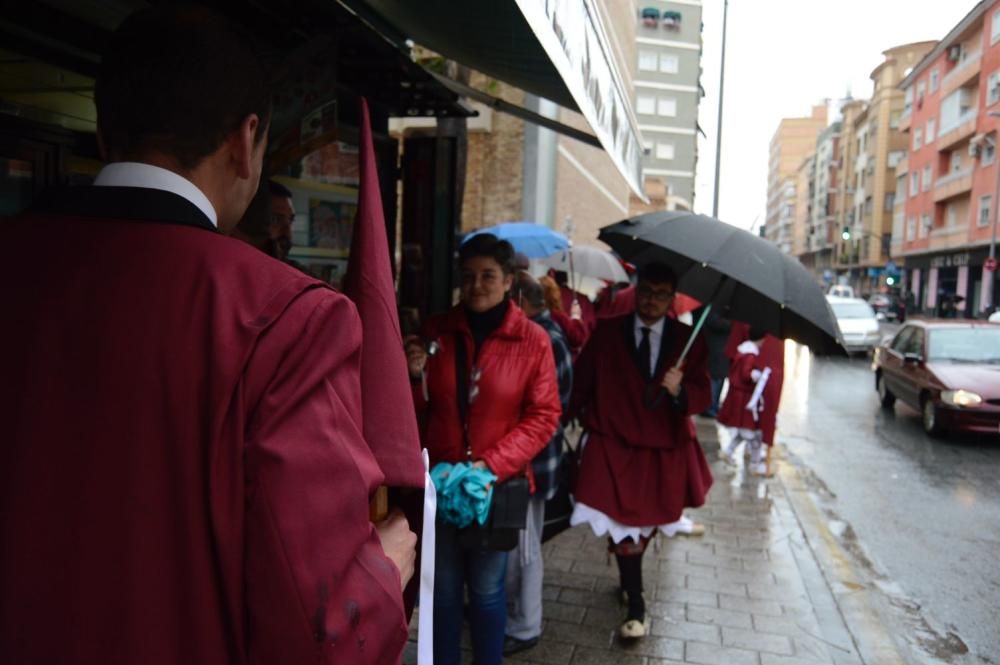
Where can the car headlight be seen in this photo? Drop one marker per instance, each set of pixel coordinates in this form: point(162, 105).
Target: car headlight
point(961, 398)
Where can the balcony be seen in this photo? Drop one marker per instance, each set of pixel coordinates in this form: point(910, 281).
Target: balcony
point(963, 72)
point(957, 131)
point(949, 237)
point(903, 166)
point(952, 185)
point(905, 121)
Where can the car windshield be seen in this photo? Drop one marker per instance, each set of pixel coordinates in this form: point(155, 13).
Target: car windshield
point(965, 344)
point(852, 310)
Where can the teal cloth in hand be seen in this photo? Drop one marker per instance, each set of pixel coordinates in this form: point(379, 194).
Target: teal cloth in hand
point(463, 492)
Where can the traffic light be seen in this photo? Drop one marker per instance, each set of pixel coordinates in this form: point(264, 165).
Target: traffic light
point(846, 233)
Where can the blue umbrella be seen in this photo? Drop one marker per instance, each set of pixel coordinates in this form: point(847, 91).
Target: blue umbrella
point(533, 240)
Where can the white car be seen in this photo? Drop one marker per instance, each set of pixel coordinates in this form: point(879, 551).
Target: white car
point(857, 323)
point(841, 291)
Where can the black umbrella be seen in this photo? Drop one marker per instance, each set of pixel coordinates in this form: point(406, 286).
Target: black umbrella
point(746, 277)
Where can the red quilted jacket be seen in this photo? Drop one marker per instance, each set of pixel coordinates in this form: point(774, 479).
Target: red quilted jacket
point(517, 409)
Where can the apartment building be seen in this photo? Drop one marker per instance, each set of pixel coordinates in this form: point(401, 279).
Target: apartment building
point(792, 143)
point(667, 94)
point(819, 220)
point(952, 104)
point(870, 179)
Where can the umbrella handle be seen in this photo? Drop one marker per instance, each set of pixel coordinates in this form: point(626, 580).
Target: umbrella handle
point(694, 333)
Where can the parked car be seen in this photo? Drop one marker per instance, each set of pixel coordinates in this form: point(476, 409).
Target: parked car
point(948, 370)
point(857, 322)
point(841, 291)
point(888, 307)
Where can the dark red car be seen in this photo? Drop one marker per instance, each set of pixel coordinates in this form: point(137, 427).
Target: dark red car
point(948, 370)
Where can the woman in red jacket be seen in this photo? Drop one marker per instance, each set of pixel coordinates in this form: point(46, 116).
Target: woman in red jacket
point(513, 410)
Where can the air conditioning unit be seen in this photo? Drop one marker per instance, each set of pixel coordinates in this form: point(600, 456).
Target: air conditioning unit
point(954, 53)
point(974, 149)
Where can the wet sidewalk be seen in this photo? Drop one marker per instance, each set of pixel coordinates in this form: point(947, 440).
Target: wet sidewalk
point(747, 592)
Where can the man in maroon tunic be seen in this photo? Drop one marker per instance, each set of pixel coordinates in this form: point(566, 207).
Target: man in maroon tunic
point(184, 477)
point(641, 463)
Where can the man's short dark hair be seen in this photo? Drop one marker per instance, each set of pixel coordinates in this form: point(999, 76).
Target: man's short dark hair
point(528, 288)
point(177, 81)
point(756, 332)
point(489, 246)
point(277, 189)
point(658, 273)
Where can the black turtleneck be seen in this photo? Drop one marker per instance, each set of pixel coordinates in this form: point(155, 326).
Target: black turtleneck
point(483, 323)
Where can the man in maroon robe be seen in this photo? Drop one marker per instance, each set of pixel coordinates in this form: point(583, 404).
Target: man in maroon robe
point(641, 463)
point(184, 477)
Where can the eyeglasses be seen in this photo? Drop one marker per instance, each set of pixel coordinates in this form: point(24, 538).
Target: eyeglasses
point(652, 294)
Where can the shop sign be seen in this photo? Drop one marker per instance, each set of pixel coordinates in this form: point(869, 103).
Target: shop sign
point(951, 260)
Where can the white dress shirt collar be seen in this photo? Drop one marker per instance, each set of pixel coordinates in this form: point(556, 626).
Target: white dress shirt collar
point(137, 174)
point(655, 336)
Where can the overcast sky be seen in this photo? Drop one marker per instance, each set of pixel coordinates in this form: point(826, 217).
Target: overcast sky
point(783, 56)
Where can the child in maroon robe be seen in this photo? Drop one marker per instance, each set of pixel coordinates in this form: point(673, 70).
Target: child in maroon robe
point(742, 409)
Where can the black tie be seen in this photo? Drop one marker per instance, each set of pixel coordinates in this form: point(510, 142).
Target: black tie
point(644, 353)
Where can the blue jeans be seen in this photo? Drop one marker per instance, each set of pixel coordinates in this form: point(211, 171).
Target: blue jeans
point(716, 394)
point(484, 573)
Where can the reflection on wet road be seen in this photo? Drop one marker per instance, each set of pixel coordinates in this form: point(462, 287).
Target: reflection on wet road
point(925, 512)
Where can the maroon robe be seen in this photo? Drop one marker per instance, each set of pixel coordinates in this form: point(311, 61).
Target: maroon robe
point(642, 464)
point(734, 411)
point(183, 474)
point(772, 354)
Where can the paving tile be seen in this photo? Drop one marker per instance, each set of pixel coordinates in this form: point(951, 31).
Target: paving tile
point(546, 652)
point(587, 598)
point(732, 562)
point(550, 592)
point(709, 654)
point(782, 592)
point(586, 656)
point(791, 626)
point(659, 609)
point(686, 630)
point(772, 659)
point(603, 617)
point(594, 569)
point(716, 585)
point(756, 606)
point(750, 639)
point(810, 647)
point(720, 617)
point(581, 635)
point(689, 596)
point(563, 612)
point(658, 647)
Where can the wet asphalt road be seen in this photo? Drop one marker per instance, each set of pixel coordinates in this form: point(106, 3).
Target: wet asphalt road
point(925, 512)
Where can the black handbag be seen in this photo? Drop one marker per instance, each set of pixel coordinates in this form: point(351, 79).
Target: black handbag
point(559, 508)
point(509, 504)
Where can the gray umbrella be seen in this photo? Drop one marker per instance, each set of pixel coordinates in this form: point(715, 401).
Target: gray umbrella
point(745, 277)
